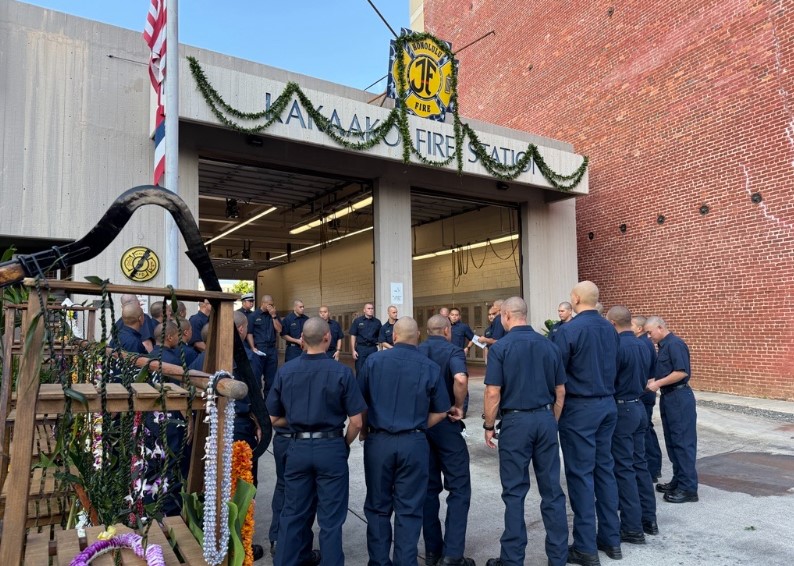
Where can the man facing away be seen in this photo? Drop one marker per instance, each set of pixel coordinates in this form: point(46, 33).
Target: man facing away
point(405, 396)
point(526, 381)
point(313, 395)
point(635, 489)
point(449, 454)
point(677, 407)
point(589, 348)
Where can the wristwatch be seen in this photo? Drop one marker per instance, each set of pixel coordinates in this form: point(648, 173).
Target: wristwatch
point(488, 427)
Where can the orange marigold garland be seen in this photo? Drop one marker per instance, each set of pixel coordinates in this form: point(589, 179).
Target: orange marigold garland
point(242, 464)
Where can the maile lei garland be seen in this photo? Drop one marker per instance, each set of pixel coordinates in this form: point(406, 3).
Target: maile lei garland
point(398, 117)
point(213, 552)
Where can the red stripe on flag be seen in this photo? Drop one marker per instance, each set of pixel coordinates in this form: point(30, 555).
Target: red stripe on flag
point(154, 34)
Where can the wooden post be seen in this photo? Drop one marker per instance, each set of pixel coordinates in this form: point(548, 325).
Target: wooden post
point(5, 390)
point(21, 453)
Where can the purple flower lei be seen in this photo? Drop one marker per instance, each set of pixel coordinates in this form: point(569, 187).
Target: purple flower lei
point(153, 554)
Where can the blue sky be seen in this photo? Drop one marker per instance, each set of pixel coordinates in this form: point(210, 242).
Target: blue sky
point(343, 41)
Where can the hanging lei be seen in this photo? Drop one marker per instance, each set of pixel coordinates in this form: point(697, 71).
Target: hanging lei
point(153, 554)
point(213, 552)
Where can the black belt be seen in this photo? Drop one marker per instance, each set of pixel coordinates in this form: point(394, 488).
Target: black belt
point(292, 344)
point(366, 345)
point(668, 388)
point(384, 431)
point(622, 401)
point(535, 410)
point(273, 345)
point(315, 435)
point(244, 415)
point(284, 434)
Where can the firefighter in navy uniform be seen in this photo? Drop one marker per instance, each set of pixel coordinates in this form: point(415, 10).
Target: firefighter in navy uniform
point(364, 334)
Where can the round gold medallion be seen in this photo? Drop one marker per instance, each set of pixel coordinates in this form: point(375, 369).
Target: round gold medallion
point(140, 264)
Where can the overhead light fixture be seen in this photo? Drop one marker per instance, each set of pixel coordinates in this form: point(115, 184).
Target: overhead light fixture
point(240, 225)
point(313, 246)
point(467, 247)
point(333, 216)
point(232, 210)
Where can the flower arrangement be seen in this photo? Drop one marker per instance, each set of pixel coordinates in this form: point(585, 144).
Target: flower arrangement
point(242, 463)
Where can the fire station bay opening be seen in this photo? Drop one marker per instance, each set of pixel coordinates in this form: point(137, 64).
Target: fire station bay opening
point(337, 228)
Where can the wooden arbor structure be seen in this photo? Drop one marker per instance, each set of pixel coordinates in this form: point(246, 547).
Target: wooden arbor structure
point(32, 403)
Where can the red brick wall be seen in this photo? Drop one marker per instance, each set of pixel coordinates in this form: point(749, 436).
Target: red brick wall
point(678, 104)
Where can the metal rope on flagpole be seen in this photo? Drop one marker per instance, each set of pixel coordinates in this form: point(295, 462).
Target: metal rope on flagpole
point(172, 256)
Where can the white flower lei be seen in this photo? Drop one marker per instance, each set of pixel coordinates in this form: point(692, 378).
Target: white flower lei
point(213, 553)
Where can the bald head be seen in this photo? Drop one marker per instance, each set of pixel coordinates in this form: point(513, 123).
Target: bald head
point(437, 324)
point(314, 331)
point(127, 299)
point(132, 314)
point(514, 313)
point(406, 331)
point(584, 296)
point(620, 317)
point(638, 325)
point(240, 323)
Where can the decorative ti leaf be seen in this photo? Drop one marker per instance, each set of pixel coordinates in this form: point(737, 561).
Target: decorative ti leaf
point(95, 280)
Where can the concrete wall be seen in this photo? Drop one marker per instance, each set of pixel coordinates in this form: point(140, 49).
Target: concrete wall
point(74, 133)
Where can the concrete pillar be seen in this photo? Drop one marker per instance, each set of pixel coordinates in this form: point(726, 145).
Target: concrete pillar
point(548, 252)
point(392, 247)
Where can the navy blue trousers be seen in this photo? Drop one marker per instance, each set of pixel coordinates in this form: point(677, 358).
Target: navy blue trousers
point(631, 469)
point(643, 474)
point(280, 445)
point(653, 451)
point(449, 456)
point(586, 429)
point(396, 471)
point(679, 421)
point(363, 352)
point(292, 351)
point(269, 367)
point(525, 438)
point(245, 429)
point(315, 473)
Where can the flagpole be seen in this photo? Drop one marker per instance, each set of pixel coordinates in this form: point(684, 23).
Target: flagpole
point(172, 138)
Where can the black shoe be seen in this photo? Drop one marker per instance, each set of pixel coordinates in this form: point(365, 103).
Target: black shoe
point(613, 552)
point(632, 537)
point(579, 557)
point(314, 560)
point(666, 487)
point(462, 561)
point(272, 548)
point(259, 551)
point(680, 496)
point(656, 477)
point(650, 527)
point(494, 562)
point(431, 558)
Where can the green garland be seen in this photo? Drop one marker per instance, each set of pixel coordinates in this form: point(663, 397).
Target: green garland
point(398, 117)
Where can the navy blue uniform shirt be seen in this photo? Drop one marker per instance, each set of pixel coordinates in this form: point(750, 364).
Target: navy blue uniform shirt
point(401, 387)
point(292, 325)
point(366, 330)
point(450, 358)
point(527, 367)
point(170, 355)
point(589, 347)
point(498, 330)
point(673, 356)
point(648, 343)
point(260, 324)
point(315, 393)
point(634, 366)
point(130, 340)
point(197, 322)
point(461, 333)
point(336, 334)
point(147, 328)
point(386, 333)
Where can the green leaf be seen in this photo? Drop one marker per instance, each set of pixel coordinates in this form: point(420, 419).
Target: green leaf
point(236, 549)
point(95, 280)
point(76, 396)
point(194, 514)
point(8, 254)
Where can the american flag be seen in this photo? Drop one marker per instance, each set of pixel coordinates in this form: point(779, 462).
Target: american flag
point(154, 35)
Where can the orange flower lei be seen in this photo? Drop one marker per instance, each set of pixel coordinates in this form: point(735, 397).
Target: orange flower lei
point(242, 463)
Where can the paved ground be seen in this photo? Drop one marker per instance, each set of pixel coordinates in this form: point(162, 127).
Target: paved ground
point(745, 514)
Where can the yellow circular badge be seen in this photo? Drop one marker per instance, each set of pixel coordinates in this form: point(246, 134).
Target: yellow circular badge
point(428, 79)
point(140, 264)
